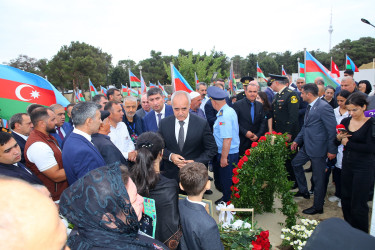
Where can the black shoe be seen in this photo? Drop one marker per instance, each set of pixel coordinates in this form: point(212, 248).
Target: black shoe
point(294, 186)
point(311, 192)
point(209, 191)
point(210, 178)
point(218, 201)
point(304, 195)
point(312, 211)
point(307, 170)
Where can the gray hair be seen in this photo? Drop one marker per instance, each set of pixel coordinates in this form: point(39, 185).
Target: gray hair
point(16, 118)
point(300, 78)
point(53, 107)
point(82, 111)
point(130, 98)
point(200, 84)
point(347, 78)
point(181, 92)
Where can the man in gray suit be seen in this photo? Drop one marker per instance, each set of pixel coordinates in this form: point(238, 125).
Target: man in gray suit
point(317, 135)
point(145, 107)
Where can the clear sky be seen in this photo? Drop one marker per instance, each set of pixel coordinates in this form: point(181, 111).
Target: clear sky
point(131, 29)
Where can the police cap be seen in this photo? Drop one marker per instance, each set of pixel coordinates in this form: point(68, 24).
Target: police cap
point(246, 80)
point(216, 93)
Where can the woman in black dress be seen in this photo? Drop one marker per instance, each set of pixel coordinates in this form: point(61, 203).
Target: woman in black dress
point(152, 184)
point(262, 98)
point(357, 173)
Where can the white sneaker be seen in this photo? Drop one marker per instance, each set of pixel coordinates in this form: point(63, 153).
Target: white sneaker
point(339, 203)
point(333, 198)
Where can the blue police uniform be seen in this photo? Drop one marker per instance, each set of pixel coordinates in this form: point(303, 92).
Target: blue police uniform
point(225, 126)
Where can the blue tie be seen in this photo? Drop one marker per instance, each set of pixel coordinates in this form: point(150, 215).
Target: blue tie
point(252, 112)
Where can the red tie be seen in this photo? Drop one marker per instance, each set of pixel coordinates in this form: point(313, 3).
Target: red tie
point(60, 133)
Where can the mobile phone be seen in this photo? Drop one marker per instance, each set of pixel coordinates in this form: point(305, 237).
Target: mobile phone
point(342, 130)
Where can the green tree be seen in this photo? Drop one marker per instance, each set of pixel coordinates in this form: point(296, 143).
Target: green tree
point(74, 64)
point(29, 64)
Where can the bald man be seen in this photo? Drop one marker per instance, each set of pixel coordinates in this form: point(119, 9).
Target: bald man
point(28, 218)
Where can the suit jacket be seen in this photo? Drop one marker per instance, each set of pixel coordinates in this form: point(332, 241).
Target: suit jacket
point(245, 123)
point(68, 128)
point(301, 109)
point(21, 142)
point(318, 132)
point(79, 157)
point(270, 94)
point(140, 113)
point(199, 145)
point(150, 119)
point(19, 172)
point(107, 149)
point(200, 229)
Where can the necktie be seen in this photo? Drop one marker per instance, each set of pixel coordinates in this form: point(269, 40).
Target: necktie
point(252, 112)
point(181, 135)
point(60, 133)
point(307, 111)
point(159, 118)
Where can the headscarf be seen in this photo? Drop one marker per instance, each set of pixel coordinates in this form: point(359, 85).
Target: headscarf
point(98, 205)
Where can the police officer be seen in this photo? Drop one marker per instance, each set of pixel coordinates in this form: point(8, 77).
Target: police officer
point(227, 140)
point(285, 113)
point(245, 81)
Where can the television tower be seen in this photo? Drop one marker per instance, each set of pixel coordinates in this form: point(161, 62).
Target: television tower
point(330, 30)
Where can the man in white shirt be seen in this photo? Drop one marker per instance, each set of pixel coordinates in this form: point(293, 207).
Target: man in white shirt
point(119, 133)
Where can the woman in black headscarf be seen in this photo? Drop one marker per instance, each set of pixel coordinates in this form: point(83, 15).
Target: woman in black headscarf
point(105, 209)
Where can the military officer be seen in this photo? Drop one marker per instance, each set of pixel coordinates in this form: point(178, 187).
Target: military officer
point(245, 81)
point(226, 133)
point(285, 114)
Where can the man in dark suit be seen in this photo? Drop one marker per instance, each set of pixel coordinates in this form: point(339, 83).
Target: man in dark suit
point(317, 135)
point(21, 126)
point(270, 92)
point(10, 156)
point(251, 118)
point(63, 129)
point(79, 155)
point(141, 113)
point(302, 103)
point(159, 110)
point(187, 137)
point(103, 143)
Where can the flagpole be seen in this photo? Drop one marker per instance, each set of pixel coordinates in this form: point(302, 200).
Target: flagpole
point(331, 64)
point(172, 77)
point(282, 68)
point(304, 60)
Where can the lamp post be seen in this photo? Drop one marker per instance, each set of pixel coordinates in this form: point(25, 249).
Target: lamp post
point(124, 67)
point(140, 70)
point(367, 22)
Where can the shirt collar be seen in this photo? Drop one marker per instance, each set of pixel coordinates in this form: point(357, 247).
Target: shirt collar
point(197, 202)
point(162, 111)
point(185, 121)
point(313, 102)
point(80, 132)
point(23, 136)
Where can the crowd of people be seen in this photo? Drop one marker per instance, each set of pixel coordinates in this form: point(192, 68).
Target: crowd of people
point(99, 164)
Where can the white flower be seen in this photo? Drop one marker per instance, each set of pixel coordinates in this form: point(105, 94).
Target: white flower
point(282, 236)
point(247, 225)
point(299, 248)
point(237, 224)
point(303, 243)
point(287, 238)
point(295, 242)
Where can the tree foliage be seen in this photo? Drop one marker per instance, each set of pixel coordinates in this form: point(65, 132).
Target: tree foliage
point(30, 64)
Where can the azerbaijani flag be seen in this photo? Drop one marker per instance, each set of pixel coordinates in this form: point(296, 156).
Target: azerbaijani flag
point(77, 95)
point(133, 92)
point(196, 78)
point(143, 86)
point(125, 90)
point(162, 88)
point(134, 81)
point(81, 97)
point(315, 69)
point(283, 72)
point(93, 90)
point(19, 89)
point(260, 73)
point(231, 79)
point(301, 68)
point(179, 81)
point(152, 85)
point(103, 90)
point(350, 64)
